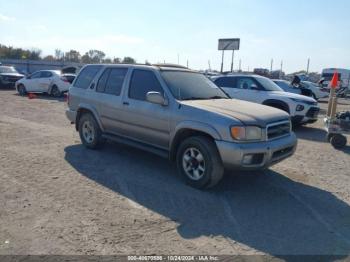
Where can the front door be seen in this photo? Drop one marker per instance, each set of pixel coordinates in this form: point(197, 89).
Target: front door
point(145, 121)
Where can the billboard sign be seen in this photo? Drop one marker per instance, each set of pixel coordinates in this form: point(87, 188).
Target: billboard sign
point(229, 44)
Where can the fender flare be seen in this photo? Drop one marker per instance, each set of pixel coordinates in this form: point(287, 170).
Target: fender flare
point(192, 126)
point(92, 110)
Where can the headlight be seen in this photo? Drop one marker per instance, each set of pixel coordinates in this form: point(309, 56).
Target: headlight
point(246, 133)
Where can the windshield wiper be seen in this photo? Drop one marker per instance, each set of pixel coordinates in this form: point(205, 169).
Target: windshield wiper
point(218, 97)
point(194, 98)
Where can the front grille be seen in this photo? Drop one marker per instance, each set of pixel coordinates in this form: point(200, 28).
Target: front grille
point(313, 112)
point(279, 129)
point(11, 79)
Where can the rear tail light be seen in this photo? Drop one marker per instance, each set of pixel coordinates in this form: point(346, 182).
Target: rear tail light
point(64, 79)
point(66, 97)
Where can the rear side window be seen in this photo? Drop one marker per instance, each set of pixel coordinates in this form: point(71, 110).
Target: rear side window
point(111, 81)
point(225, 82)
point(115, 81)
point(102, 81)
point(86, 76)
point(142, 82)
point(45, 74)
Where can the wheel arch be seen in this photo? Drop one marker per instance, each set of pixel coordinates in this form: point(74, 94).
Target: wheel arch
point(277, 104)
point(186, 130)
point(83, 109)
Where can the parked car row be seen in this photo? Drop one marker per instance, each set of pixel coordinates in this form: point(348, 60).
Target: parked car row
point(52, 82)
point(9, 76)
point(259, 89)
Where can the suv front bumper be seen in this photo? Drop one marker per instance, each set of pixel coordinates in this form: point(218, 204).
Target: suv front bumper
point(264, 154)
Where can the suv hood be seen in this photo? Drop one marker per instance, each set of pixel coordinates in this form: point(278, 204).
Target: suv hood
point(247, 112)
point(293, 95)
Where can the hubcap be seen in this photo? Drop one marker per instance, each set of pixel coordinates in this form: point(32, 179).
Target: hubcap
point(88, 131)
point(55, 92)
point(193, 163)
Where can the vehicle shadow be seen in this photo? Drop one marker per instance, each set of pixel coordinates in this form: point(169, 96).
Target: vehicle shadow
point(45, 97)
point(266, 211)
point(311, 133)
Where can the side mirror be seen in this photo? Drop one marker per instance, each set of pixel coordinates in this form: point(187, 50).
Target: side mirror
point(156, 98)
point(254, 87)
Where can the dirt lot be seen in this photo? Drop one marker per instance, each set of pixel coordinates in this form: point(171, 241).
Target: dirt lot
point(59, 198)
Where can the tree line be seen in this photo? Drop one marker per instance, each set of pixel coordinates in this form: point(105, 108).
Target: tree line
point(91, 57)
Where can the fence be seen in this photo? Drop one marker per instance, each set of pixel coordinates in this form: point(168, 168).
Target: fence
point(30, 66)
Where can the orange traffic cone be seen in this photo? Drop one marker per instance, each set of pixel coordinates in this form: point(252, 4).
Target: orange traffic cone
point(31, 95)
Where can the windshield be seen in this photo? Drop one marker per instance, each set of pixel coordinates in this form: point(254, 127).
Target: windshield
point(191, 86)
point(7, 69)
point(268, 84)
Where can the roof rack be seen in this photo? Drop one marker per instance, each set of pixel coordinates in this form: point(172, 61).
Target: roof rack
point(171, 65)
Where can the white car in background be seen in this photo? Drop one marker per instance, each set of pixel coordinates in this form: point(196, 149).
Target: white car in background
point(52, 82)
point(317, 93)
point(261, 90)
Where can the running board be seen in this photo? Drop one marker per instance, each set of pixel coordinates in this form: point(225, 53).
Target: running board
point(129, 142)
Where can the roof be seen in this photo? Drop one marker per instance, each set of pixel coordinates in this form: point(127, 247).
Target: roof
point(174, 67)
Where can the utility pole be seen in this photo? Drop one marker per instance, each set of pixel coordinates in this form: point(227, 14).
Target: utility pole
point(187, 63)
point(209, 65)
point(271, 65)
point(240, 65)
point(222, 62)
point(308, 66)
point(233, 54)
point(281, 69)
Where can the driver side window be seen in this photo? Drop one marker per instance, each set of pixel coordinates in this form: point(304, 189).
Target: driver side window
point(247, 83)
point(142, 82)
point(35, 75)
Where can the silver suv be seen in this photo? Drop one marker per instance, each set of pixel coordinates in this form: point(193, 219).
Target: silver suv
point(179, 114)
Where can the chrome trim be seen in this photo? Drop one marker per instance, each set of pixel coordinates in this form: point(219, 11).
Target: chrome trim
point(276, 124)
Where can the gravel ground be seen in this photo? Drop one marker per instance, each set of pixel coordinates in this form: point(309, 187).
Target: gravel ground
point(59, 198)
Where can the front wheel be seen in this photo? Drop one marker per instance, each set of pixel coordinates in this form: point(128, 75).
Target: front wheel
point(199, 162)
point(89, 132)
point(338, 141)
point(22, 90)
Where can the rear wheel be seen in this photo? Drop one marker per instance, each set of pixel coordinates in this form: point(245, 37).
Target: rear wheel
point(89, 131)
point(22, 90)
point(55, 92)
point(199, 162)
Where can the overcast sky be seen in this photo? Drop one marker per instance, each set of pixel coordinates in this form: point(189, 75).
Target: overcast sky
point(157, 31)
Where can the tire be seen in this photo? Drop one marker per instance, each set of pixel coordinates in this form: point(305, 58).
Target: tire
point(201, 157)
point(90, 132)
point(329, 137)
point(22, 90)
point(338, 141)
point(55, 92)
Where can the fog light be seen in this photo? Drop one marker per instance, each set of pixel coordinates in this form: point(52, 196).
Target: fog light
point(300, 108)
point(247, 159)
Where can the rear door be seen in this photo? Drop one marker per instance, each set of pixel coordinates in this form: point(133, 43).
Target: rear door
point(142, 120)
point(109, 99)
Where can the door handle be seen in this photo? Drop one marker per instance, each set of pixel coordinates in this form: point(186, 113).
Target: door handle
point(126, 103)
